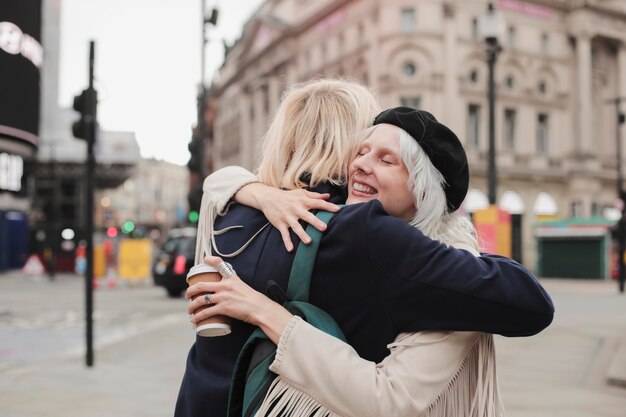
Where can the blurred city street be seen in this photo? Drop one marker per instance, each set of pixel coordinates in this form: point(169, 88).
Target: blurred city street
point(142, 338)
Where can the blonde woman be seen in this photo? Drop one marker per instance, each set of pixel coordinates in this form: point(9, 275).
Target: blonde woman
point(373, 270)
point(426, 373)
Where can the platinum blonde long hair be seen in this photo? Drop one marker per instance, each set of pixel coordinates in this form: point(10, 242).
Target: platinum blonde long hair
point(427, 185)
point(315, 131)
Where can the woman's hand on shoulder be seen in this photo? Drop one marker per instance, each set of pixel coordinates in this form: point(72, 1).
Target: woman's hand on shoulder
point(284, 209)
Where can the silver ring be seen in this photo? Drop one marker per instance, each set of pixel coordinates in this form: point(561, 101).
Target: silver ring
point(225, 269)
point(207, 298)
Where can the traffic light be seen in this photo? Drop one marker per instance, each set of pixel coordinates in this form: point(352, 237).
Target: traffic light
point(85, 104)
point(193, 216)
point(195, 160)
point(128, 226)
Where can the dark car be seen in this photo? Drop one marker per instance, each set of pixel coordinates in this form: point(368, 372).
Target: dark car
point(174, 260)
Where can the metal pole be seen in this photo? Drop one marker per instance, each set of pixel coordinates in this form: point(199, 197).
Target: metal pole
point(204, 94)
point(90, 168)
point(492, 54)
point(55, 214)
point(620, 193)
point(621, 224)
point(203, 98)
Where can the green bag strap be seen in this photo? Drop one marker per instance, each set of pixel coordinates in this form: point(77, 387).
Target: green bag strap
point(302, 267)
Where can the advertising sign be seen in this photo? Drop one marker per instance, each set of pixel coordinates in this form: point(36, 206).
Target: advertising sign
point(134, 259)
point(21, 56)
point(11, 172)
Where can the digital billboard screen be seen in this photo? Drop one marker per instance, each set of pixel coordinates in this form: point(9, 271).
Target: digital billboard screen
point(21, 56)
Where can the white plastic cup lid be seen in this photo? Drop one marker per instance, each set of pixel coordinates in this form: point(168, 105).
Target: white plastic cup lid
point(200, 269)
point(213, 329)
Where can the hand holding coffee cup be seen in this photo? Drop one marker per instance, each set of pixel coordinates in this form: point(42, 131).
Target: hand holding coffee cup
point(215, 325)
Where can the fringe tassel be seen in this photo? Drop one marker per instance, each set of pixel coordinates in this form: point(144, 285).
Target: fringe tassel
point(208, 213)
point(283, 400)
point(474, 390)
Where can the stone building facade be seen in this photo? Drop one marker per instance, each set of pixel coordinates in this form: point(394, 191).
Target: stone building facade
point(154, 197)
point(560, 63)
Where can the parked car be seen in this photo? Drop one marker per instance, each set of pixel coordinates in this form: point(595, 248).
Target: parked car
point(174, 259)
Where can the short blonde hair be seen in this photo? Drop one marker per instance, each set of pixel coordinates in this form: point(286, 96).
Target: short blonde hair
point(315, 132)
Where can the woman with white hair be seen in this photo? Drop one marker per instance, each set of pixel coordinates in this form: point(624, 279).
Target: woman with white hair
point(417, 167)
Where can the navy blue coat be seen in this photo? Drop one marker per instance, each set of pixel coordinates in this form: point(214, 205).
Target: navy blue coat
point(377, 276)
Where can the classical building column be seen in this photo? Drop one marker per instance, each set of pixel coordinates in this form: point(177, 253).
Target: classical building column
point(452, 111)
point(373, 60)
point(585, 131)
point(621, 68)
point(258, 126)
point(274, 93)
point(245, 132)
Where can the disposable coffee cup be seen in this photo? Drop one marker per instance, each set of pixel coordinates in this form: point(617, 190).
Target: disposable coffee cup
point(215, 325)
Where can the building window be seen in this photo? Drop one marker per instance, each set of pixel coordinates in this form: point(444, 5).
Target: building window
point(510, 116)
point(595, 209)
point(473, 76)
point(473, 125)
point(409, 69)
point(542, 87)
point(510, 82)
point(542, 134)
point(475, 29)
point(511, 37)
point(545, 43)
point(413, 102)
point(577, 208)
point(408, 20)
point(594, 57)
point(266, 99)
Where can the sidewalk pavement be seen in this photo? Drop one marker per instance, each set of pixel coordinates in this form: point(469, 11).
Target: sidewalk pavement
point(137, 369)
point(616, 368)
point(564, 371)
point(138, 376)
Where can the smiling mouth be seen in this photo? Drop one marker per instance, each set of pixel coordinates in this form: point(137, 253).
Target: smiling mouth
point(363, 188)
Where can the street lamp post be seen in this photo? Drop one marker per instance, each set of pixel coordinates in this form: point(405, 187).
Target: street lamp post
point(621, 195)
point(490, 26)
point(206, 21)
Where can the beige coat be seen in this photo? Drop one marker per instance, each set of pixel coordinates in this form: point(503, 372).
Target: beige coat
point(449, 374)
point(426, 374)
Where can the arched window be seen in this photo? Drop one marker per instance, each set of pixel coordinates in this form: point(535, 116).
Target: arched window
point(511, 202)
point(545, 205)
point(475, 200)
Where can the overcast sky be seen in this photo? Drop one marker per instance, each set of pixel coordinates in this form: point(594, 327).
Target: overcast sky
point(147, 63)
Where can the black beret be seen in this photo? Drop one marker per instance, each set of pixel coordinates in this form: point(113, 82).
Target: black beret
point(441, 145)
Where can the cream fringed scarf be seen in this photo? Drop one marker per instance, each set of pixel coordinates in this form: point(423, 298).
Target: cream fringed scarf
point(472, 392)
point(208, 213)
point(217, 191)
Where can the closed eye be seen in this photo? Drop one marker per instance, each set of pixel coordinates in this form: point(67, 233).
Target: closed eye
point(361, 152)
